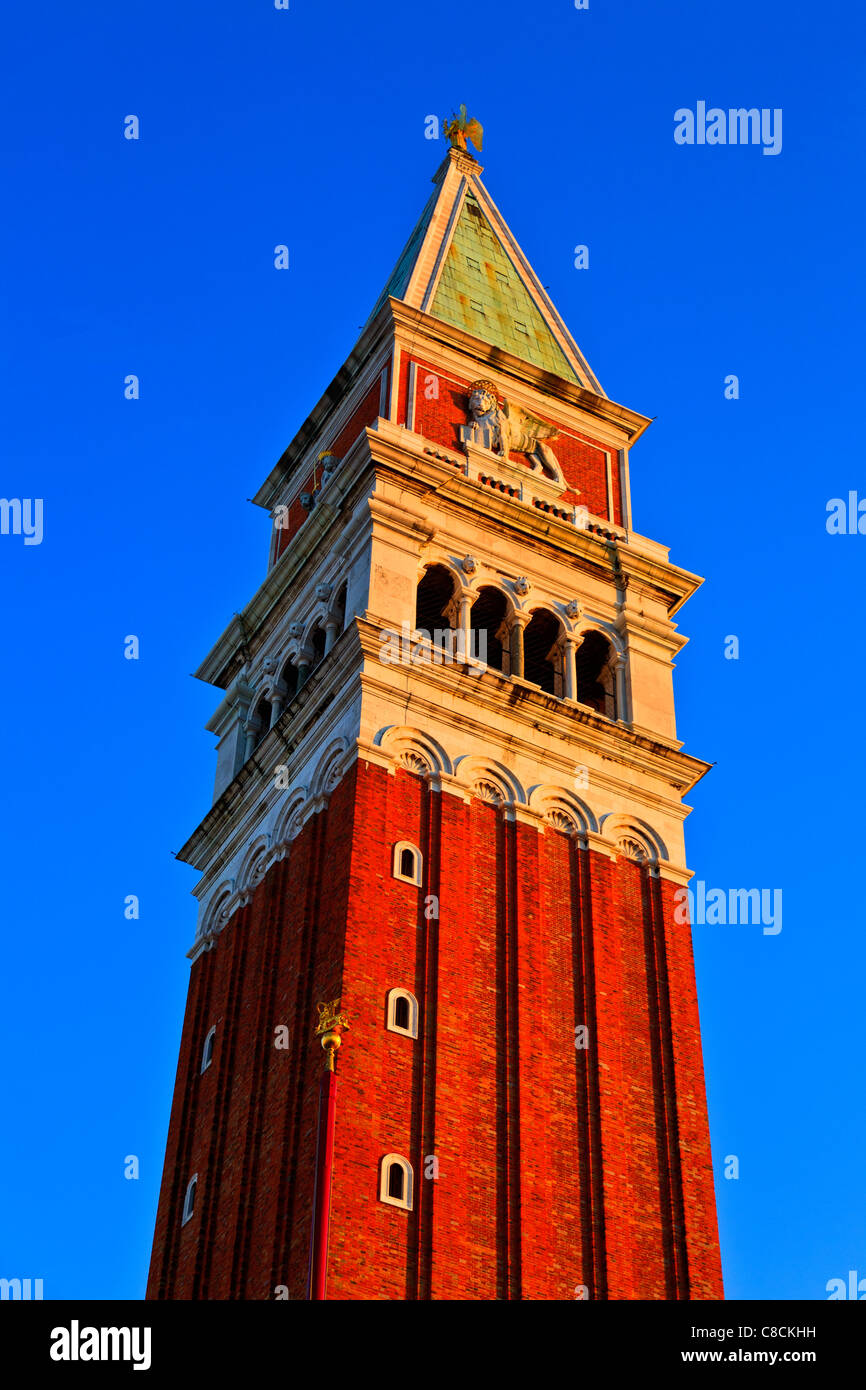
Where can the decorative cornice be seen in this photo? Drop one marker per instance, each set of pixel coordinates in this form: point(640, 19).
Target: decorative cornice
point(575, 727)
point(415, 325)
point(372, 351)
point(545, 807)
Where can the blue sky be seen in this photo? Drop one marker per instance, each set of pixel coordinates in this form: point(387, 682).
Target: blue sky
point(155, 257)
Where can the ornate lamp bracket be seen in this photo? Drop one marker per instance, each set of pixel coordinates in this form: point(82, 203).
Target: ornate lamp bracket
point(330, 1027)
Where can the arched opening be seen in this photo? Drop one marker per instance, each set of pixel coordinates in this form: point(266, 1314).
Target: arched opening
point(263, 714)
point(487, 625)
point(402, 1013)
point(339, 609)
point(541, 662)
point(407, 862)
point(207, 1050)
point(594, 678)
point(433, 596)
point(189, 1199)
point(290, 681)
point(317, 645)
point(396, 1181)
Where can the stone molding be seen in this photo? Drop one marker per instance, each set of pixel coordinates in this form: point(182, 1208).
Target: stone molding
point(547, 806)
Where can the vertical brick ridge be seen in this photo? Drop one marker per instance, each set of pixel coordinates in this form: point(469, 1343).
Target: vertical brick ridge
point(261, 1046)
point(663, 1098)
point(502, 1098)
point(672, 1128)
point(507, 831)
point(187, 1135)
point(616, 1140)
point(588, 1104)
point(235, 937)
point(418, 1284)
point(467, 1260)
point(549, 1207)
point(326, 981)
point(176, 1177)
point(698, 1189)
point(296, 863)
point(289, 1206)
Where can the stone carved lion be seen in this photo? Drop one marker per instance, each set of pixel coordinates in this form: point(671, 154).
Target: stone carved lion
point(501, 428)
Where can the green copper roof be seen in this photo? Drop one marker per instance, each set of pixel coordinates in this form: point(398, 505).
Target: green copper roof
point(400, 275)
point(481, 292)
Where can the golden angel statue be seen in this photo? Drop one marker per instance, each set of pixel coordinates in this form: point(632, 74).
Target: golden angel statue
point(459, 130)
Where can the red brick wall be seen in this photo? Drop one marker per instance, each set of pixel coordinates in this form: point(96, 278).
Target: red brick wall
point(438, 419)
point(557, 1166)
point(247, 1125)
point(584, 466)
point(366, 412)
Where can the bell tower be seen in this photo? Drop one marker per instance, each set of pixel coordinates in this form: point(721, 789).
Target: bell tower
point(447, 832)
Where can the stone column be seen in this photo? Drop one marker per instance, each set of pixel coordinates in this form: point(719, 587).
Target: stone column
point(569, 670)
point(331, 634)
point(519, 621)
point(619, 665)
point(278, 700)
point(464, 649)
point(250, 742)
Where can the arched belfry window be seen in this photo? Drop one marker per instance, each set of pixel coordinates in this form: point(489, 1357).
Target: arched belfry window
point(402, 1013)
point(433, 604)
point(339, 609)
point(542, 660)
point(488, 627)
point(593, 675)
point(263, 713)
point(396, 1182)
point(290, 681)
point(189, 1199)
point(207, 1050)
point(317, 644)
point(408, 862)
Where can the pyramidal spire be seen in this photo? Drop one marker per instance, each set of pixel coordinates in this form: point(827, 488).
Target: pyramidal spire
point(463, 264)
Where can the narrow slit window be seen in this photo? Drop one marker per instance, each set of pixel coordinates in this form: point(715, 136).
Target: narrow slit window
point(396, 1182)
point(189, 1199)
point(207, 1050)
point(407, 862)
point(402, 1013)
